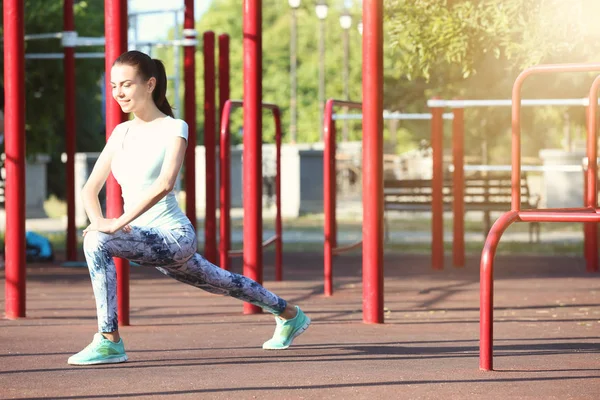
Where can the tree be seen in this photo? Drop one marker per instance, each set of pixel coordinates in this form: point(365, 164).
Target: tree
point(476, 48)
point(44, 86)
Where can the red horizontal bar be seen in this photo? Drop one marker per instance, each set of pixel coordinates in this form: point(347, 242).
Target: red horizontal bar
point(270, 241)
point(266, 243)
point(583, 215)
point(341, 249)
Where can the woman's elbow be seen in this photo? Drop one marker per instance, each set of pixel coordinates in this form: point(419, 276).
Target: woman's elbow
point(168, 186)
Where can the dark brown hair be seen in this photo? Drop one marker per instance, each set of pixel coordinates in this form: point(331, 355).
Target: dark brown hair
point(149, 68)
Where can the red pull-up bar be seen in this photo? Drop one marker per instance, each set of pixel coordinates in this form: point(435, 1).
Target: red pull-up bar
point(225, 189)
point(329, 192)
point(590, 213)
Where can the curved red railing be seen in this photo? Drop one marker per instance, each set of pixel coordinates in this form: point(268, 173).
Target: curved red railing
point(225, 252)
point(589, 213)
point(329, 192)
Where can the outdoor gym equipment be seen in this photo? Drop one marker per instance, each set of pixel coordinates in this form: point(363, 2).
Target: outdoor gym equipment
point(330, 247)
point(458, 106)
point(590, 213)
point(225, 194)
point(116, 35)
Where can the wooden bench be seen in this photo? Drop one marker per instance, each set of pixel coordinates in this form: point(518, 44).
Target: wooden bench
point(484, 191)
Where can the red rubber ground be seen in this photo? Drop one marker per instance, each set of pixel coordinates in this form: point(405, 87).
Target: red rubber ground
point(184, 343)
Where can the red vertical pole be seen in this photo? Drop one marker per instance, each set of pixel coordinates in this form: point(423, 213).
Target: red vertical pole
point(210, 219)
point(14, 124)
point(437, 188)
point(373, 161)
point(224, 152)
point(458, 184)
point(587, 227)
point(592, 175)
point(69, 78)
point(329, 188)
point(189, 72)
point(278, 223)
point(115, 28)
point(223, 71)
point(252, 153)
point(225, 188)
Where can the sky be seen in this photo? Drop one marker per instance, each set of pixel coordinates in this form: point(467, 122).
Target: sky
point(152, 27)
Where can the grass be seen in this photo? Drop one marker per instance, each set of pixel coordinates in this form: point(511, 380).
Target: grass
point(312, 223)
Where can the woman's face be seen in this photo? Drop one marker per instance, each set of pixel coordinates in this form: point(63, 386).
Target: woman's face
point(129, 89)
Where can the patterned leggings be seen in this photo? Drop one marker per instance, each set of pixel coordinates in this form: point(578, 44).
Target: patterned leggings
point(172, 252)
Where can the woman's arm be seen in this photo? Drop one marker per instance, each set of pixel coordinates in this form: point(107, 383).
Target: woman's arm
point(98, 177)
point(163, 185)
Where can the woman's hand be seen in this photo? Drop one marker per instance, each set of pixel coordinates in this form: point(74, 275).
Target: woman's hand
point(107, 225)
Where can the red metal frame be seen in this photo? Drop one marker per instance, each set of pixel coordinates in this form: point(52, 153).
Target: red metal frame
point(458, 185)
point(115, 27)
point(329, 192)
point(372, 88)
point(225, 190)
point(437, 187)
point(14, 124)
point(210, 218)
point(590, 213)
point(224, 95)
point(252, 153)
point(70, 129)
point(223, 73)
point(189, 71)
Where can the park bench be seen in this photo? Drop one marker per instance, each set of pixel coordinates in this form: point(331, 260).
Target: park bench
point(484, 191)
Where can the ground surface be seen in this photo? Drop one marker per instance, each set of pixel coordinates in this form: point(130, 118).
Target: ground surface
point(184, 343)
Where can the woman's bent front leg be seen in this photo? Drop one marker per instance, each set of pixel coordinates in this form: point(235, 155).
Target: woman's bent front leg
point(104, 279)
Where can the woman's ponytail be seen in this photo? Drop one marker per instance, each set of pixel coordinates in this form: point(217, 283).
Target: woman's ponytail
point(160, 91)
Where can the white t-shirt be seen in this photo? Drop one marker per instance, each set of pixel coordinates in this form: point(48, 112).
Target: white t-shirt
point(137, 163)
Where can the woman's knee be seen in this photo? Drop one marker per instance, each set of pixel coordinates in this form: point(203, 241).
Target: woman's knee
point(94, 241)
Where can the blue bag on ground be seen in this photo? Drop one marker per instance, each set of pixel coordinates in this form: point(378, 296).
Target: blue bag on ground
point(38, 247)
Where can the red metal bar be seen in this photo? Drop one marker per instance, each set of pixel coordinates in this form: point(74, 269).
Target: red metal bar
point(591, 194)
point(516, 118)
point(329, 192)
point(486, 291)
point(224, 163)
point(266, 243)
point(210, 219)
point(587, 214)
point(189, 73)
point(223, 71)
point(373, 161)
point(115, 28)
point(14, 124)
point(330, 189)
point(225, 187)
point(588, 244)
point(458, 185)
point(278, 222)
point(225, 251)
point(70, 129)
point(437, 187)
point(252, 153)
point(343, 249)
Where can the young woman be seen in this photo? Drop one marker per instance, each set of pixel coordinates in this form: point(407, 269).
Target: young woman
point(145, 156)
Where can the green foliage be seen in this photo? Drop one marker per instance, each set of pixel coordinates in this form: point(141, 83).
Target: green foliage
point(225, 16)
point(476, 49)
point(44, 94)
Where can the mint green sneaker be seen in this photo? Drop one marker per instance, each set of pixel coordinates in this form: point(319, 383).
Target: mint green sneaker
point(100, 351)
point(287, 330)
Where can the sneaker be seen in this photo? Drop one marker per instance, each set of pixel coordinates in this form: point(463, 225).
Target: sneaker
point(100, 351)
point(287, 330)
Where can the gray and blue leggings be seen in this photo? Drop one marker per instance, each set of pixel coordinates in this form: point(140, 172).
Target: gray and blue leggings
point(172, 252)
